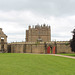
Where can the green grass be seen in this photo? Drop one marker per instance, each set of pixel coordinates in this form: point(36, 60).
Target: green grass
point(73, 55)
point(35, 64)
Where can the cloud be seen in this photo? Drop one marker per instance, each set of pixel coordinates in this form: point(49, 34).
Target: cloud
point(15, 23)
point(44, 7)
point(17, 15)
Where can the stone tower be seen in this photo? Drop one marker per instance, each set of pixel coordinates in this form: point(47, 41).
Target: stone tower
point(3, 42)
point(38, 33)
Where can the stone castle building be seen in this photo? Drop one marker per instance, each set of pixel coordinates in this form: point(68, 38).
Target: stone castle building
point(38, 40)
point(33, 35)
point(3, 41)
point(38, 33)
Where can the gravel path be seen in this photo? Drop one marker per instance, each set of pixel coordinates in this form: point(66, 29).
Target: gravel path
point(63, 56)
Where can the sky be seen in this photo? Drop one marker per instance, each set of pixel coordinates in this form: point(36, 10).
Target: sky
point(17, 15)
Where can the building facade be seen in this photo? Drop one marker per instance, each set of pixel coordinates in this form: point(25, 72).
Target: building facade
point(3, 42)
point(44, 46)
point(38, 33)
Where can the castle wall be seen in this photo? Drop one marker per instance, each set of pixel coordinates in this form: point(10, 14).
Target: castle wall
point(17, 48)
point(28, 47)
point(62, 48)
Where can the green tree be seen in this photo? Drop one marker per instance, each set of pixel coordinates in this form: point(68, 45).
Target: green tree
point(72, 42)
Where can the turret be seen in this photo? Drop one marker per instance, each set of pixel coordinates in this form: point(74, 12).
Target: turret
point(29, 27)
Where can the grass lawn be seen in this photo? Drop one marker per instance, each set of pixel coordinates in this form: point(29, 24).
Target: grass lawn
point(35, 64)
point(69, 54)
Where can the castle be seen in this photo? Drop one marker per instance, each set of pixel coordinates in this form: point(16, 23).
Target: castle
point(38, 40)
point(39, 33)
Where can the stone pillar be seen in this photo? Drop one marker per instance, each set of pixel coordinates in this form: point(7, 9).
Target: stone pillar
point(5, 48)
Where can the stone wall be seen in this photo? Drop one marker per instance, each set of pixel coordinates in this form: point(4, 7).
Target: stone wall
point(27, 48)
point(32, 47)
point(61, 48)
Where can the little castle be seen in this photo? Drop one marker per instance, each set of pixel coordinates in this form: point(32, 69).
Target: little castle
point(39, 33)
point(38, 40)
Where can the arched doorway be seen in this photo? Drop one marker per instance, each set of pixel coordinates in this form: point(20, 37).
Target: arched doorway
point(51, 50)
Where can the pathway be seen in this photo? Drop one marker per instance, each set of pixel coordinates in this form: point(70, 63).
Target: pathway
point(63, 56)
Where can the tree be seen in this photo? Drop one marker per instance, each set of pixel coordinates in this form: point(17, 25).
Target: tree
point(72, 41)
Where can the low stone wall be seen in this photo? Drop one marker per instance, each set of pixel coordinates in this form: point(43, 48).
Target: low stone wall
point(32, 47)
point(62, 48)
point(27, 48)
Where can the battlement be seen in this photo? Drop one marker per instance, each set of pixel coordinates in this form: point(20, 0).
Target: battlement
point(52, 42)
point(39, 27)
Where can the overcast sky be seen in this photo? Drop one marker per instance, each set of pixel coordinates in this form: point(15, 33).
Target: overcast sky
point(17, 15)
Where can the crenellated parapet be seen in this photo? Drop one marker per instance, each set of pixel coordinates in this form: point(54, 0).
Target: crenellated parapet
point(44, 26)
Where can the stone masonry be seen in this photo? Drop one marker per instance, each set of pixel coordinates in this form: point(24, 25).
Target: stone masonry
point(3, 42)
point(38, 33)
point(32, 47)
point(38, 40)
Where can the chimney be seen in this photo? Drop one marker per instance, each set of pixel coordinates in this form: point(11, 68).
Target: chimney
point(0, 29)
